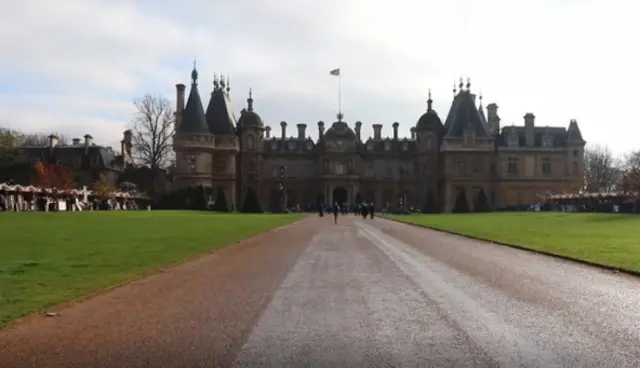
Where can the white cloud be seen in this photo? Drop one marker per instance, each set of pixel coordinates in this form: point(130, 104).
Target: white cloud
point(85, 60)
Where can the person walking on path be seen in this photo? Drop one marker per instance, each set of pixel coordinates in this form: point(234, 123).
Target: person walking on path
point(372, 210)
point(336, 212)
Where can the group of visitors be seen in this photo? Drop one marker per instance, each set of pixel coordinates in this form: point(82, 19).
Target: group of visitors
point(362, 209)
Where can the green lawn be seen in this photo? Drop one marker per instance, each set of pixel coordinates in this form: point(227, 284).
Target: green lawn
point(49, 258)
point(606, 239)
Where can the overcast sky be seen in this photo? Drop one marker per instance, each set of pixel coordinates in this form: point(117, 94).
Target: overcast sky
point(74, 66)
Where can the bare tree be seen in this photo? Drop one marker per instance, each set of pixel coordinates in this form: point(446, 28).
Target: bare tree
point(631, 172)
point(10, 152)
point(601, 169)
point(153, 129)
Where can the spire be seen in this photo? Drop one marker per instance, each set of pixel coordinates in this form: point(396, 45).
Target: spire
point(480, 98)
point(194, 74)
point(216, 83)
point(250, 101)
point(468, 84)
point(222, 82)
point(340, 116)
point(430, 101)
point(228, 84)
point(461, 85)
point(454, 88)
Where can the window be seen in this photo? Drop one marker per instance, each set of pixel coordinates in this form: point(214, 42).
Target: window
point(512, 166)
point(460, 167)
point(429, 143)
point(292, 145)
point(546, 166)
point(387, 146)
point(574, 168)
point(250, 142)
point(547, 141)
point(405, 146)
point(191, 163)
point(477, 166)
point(274, 145)
point(309, 146)
point(575, 153)
point(340, 169)
point(513, 140)
point(469, 137)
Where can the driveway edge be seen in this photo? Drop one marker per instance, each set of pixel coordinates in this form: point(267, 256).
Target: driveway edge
point(520, 247)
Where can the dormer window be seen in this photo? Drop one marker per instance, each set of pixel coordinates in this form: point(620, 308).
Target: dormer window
point(513, 140)
point(274, 145)
point(292, 145)
point(469, 136)
point(405, 146)
point(370, 146)
point(547, 141)
point(309, 146)
point(387, 146)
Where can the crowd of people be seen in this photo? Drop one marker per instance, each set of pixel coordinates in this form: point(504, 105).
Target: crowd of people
point(362, 209)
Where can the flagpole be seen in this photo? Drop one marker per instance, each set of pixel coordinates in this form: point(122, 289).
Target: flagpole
point(340, 94)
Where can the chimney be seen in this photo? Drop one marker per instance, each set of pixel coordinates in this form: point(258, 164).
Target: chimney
point(283, 125)
point(413, 133)
point(529, 129)
point(75, 141)
point(302, 131)
point(88, 141)
point(493, 120)
point(53, 140)
point(320, 129)
point(358, 130)
point(377, 131)
point(395, 130)
point(492, 111)
point(180, 88)
point(267, 129)
point(127, 138)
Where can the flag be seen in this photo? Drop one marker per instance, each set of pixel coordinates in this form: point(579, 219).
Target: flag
point(335, 72)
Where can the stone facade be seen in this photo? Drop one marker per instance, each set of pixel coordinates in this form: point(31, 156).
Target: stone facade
point(470, 152)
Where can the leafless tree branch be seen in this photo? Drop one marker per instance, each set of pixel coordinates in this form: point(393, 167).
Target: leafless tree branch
point(153, 129)
point(601, 169)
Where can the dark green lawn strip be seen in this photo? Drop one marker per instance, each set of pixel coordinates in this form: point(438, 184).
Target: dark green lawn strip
point(606, 239)
point(50, 258)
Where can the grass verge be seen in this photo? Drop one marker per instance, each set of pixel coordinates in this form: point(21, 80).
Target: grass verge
point(49, 258)
point(609, 240)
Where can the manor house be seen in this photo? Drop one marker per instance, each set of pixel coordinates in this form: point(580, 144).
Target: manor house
point(467, 156)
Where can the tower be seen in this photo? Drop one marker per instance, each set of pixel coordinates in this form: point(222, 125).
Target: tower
point(251, 141)
point(193, 143)
point(221, 122)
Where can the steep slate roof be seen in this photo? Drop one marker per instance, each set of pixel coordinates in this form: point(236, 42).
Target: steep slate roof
point(193, 119)
point(574, 133)
point(464, 115)
point(219, 115)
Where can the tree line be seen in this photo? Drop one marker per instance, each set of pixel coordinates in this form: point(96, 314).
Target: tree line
point(605, 172)
point(152, 127)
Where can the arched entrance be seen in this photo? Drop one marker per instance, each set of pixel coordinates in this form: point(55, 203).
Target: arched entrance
point(340, 195)
point(358, 198)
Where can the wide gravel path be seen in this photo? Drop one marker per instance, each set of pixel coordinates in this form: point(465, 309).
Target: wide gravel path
point(362, 293)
